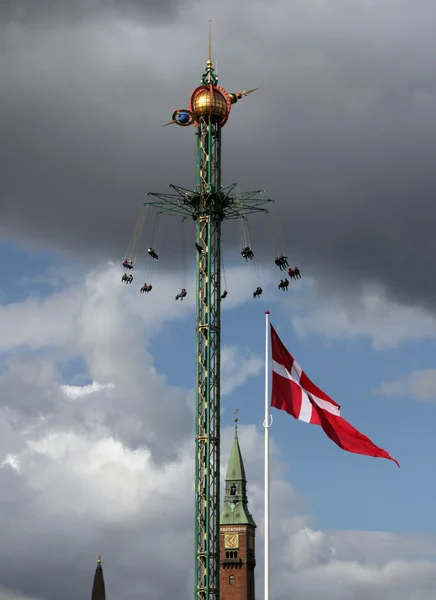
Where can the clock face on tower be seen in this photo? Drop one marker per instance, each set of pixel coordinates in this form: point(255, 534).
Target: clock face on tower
point(231, 541)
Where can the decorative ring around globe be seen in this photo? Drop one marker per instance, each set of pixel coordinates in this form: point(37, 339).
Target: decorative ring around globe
point(183, 117)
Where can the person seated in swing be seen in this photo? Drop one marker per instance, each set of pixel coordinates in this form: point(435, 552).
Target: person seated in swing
point(291, 274)
point(224, 295)
point(153, 253)
point(146, 288)
point(281, 262)
point(297, 273)
point(285, 284)
point(281, 285)
point(127, 278)
point(257, 292)
point(182, 294)
point(247, 253)
point(128, 264)
point(199, 248)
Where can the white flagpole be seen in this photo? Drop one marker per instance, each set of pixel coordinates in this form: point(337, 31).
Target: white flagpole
point(266, 425)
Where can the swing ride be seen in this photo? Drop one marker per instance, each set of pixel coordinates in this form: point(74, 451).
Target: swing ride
point(292, 273)
point(207, 206)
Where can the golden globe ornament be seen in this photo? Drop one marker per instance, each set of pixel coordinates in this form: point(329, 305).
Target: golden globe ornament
point(210, 101)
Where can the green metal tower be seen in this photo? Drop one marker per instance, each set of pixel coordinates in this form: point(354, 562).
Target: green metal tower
point(209, 204)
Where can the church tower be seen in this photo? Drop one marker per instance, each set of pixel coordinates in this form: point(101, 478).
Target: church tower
point(237, 529)
point(98, 589)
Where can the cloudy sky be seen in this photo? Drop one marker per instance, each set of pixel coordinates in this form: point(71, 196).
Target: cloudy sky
point(96, 409)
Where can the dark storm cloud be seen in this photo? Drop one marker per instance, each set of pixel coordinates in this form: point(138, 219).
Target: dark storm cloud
point(342, 133)
point(56, 555)
point(49, 11)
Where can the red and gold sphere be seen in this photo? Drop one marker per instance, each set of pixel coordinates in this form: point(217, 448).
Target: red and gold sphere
point(210, 101)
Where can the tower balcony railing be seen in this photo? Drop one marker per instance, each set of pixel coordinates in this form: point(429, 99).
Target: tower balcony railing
point(232, 562)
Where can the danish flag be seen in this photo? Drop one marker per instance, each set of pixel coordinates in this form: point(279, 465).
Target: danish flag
point(294, 392)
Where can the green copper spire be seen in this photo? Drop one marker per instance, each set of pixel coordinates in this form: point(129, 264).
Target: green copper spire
point(98, 589)
point(235, 467)
point(235, 510)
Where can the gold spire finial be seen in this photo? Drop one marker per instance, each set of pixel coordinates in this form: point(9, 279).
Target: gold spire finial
point(99, 559)
point(236, 419)
point(209, 60)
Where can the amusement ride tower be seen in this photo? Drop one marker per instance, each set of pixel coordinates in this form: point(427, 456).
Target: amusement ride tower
point(208, 205)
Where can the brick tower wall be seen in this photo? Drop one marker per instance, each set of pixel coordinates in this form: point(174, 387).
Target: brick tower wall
point(237, 570)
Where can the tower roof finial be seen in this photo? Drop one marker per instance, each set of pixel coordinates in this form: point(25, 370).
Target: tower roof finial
point(99, 559)
point(209, 58)
point(236, 421)
point(209, 77)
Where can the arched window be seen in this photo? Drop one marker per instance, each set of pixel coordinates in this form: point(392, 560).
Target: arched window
point(232, 580)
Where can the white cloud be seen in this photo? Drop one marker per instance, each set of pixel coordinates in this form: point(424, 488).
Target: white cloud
point(6, 594)
point(102, 468)
point(93, 298)
point(12, 461)
point(35, 330)
point(98, 467)
point(419, 385)
point(346, 580)
point(236, 368)
point(79, 391)
point(371, 316)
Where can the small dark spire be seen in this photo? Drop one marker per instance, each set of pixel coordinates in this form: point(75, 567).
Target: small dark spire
point(98, 589)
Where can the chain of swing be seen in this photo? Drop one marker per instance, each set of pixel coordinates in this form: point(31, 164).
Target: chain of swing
point(281, 260)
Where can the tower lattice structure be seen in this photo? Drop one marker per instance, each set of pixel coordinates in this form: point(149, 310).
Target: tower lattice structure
point(209, 204)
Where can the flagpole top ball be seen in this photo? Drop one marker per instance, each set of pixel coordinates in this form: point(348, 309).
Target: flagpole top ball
point(267, 312)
